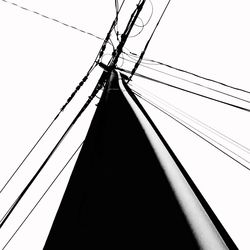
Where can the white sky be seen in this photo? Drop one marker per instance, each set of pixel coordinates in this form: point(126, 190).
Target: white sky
point(41, 63)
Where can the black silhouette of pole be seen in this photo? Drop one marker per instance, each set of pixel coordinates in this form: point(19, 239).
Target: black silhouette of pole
point(123, 194)
point(126, 189)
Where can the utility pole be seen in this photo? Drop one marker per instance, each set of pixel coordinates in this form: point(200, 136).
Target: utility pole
point(127, 190)
point(117, 52)
point(71, 228)
point(104, 78)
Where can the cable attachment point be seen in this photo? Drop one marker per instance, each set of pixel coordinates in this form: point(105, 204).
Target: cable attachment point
point(104, 66)
point(75, 91)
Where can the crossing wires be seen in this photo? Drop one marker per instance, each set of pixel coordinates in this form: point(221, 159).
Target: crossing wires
point(84, 79)
point(104, 77)
point(220, 147)
point(192, 119)
point(185, 90)
point(147, 43)
point(197, 75)
point(145, 65)
point(43, 195)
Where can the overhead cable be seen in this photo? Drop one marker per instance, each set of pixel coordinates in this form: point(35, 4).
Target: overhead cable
point(131, 22)
point(53, 121)
point(47, 129)
point(192, 129)
point(151, 14)
point(192, 82)
point(30, 151)
point(168, 113)
point(134, 58)
point(185, 90)
point(194, 74)
point(117, 9)
point(195, 120)
point(141, 28)
point(40, 199)
point(143, 24)
point(86, 104)
point(98, 86)
point(53, 19)
point(147, 43)
point(84, 79)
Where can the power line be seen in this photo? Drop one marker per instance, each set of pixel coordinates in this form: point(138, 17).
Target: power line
point(149, 18)
point(156, 26)
point(30, 151)
point(91, 97)
point(125, 35)
point(53, 121)
point(141, 28)
point(192, 130)
point(143, 24)
point(46, 130)
point(50, 125)
point(48, 188)
point(167, 112)
point(179, 165)
point(116, 6)
point(194, 74)
point(192, 82)
point(147, 43)
point(134, 57)
point(151, 14)
point(185, 90)
point(197, 121)
point(117, 9)
point(104, 77)
point(84, 79)
point(53, 19)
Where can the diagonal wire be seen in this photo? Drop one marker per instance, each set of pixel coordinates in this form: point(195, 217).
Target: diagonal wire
point(192, 82)
point(84, 107)
point(94, 64)
point(98, 86)
point(46, 191)
point(52, 19)
point(185, 90)
point(192, 129)
point(168, 113)
point(197, 121)
point(50, 125)
point(147, 43)
point(117, 9)
point(194, 74)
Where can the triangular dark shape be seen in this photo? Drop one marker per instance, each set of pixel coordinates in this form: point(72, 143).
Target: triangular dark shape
point(118, 194)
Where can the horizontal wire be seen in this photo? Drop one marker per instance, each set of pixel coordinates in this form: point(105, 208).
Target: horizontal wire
point(53, 19)
point(46, 191)
point(197, 121)
point(185, 90)
point(186, 126)
point(192, 82)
